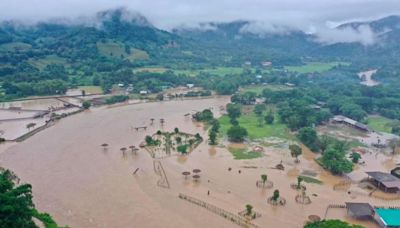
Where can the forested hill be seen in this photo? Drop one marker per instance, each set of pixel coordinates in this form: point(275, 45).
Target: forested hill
point(50, 57)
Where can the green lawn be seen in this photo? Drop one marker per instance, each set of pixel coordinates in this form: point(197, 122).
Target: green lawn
point(153, 69)
point(259, 88)
point(50, 59)
point(250, 122)
point(117, 50)
point(220, 71)
point(380, 123)
point(312, 67)
point(242, 153)
point(91, 89)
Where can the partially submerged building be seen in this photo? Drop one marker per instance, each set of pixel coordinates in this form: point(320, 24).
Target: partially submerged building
point(385, 217)
point(350, 122)
point(385, 181)
point(362, 211)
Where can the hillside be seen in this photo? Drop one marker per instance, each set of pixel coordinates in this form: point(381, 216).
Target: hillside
point(50, 57)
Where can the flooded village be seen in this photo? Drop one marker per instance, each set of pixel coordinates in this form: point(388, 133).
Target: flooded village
point(93, 168)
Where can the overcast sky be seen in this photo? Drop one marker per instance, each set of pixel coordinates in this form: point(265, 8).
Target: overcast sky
point(270, 15)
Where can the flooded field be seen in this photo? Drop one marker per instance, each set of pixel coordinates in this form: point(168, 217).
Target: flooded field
point(83, 185)
point(15, 116)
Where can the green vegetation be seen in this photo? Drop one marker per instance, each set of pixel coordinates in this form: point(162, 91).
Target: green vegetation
point(310, 180)
point(236, 133)
point(182, 148)
point(243, 153)
point(250, 122)
point(204, 116)
point(314, 67)
point(380, 124)
point(116, 99)
point(15, 46)
point(91, 89)
point(308, 136)
point(16, 206)
point(151, 142)
point(295, 151)
point(330, 224)
point(117, 50)
point(334, 159)
point(86, 104)
point(258, 90)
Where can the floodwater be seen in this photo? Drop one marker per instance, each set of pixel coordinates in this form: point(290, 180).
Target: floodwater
point(366, 77)
point(82, 185)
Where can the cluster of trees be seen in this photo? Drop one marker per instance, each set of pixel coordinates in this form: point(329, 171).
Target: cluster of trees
point(151, 142)
point(116, 99)
point(204, 116)
point(333, 151)
point(246, 98)
point(295, 108)
point(213, 132)
point(235, 133)
point(259, 110)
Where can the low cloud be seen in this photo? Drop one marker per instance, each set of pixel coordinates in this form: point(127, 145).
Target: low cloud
point(362, 34)
point(268, 16)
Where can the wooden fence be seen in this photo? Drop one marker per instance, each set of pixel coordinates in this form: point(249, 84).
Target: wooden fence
point(219, 211)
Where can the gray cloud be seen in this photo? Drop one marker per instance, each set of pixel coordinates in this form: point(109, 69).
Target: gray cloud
point(268, 15)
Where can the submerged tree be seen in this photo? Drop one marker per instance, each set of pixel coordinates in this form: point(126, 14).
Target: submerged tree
point(299, 180)
point(355, 157)
point(295, 151)
point(212, 135)
point(30, 125)
point(249, 209)
point(264, 178)
point(275, 196)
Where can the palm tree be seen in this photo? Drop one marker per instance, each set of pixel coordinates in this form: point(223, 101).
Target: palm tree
point(152, 121)
point(264, 178)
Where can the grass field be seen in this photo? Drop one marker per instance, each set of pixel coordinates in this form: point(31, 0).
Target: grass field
point(312, 67)
point(243, 153)
point(15, 46)
point(154, 69)
point(220, 71)
point(311, 180)
point(380, 123)
point(91, 89)
point(258, 89)
point(117, 50)
point(250, 122)
point(50, 59)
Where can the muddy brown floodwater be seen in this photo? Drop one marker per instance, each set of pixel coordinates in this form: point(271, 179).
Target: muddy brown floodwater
point(82, 185)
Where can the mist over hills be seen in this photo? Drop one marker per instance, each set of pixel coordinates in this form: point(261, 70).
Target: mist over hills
point(118, 40)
